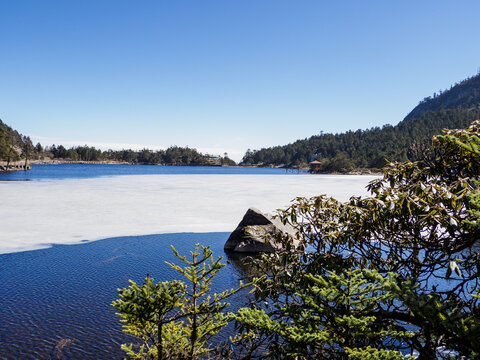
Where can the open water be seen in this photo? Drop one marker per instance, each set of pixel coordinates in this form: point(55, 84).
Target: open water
point(83, 171)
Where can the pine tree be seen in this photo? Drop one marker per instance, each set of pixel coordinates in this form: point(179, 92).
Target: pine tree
point(175, 319)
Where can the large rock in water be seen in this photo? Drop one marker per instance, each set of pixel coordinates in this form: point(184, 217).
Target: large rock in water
point(249, 236)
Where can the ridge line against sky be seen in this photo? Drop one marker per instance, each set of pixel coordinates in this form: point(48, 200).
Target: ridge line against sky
point(224, 76)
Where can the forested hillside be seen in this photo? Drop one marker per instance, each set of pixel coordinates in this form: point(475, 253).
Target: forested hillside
point(465, 94)
point(13, 145)
point(367, 149)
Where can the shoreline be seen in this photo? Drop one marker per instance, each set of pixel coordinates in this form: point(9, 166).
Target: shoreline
point(108, 162)
point(287, 169)
point(14, 166)
point(51, 245)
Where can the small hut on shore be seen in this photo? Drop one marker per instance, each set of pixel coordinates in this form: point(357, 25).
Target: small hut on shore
point(315, 167)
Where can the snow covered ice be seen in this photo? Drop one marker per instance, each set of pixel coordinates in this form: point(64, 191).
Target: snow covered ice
point(36, 214)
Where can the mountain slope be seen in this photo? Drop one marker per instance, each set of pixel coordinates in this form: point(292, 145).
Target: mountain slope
point(11, 143)
point(454, 108)
point(465, 94)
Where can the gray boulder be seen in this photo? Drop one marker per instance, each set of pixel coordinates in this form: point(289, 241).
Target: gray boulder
point(250, 234)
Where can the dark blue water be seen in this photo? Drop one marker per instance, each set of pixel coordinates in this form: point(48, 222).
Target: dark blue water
point(81, 171)
point(63, 294)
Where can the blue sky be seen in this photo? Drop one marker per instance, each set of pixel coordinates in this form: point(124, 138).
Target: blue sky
point(224, 76)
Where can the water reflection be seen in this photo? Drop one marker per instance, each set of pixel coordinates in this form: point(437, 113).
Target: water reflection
point(244, 264)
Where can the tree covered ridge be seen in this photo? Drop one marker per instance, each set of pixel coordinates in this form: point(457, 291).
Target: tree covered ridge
point(373, 148)
point(9, 136)
point(174, 155)
point(13, 145)
point(465, 94)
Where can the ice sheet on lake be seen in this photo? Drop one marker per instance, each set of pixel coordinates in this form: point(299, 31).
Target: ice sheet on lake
point(38, 213)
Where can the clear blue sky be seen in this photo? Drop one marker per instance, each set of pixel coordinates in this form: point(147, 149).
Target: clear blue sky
point(224, 76)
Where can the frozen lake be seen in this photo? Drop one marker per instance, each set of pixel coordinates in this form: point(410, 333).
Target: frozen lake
point(36, 214)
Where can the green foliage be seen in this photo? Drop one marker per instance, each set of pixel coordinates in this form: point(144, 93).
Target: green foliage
point(174, 155)
point(373, 148)
point(323, 314)
point(465, 94)
point(175, 319)
point(144, 311)
point(226, 161)
point(11, 143)
point(15, 146)
point(373, 354)
point(27, 148)
point(375, 276)
point(341, 163)
point(203, 313)
point(3, 144)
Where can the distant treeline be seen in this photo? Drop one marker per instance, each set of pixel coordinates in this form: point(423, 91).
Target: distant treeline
point(15, 146)
point(174, 155)
point(372, 148)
